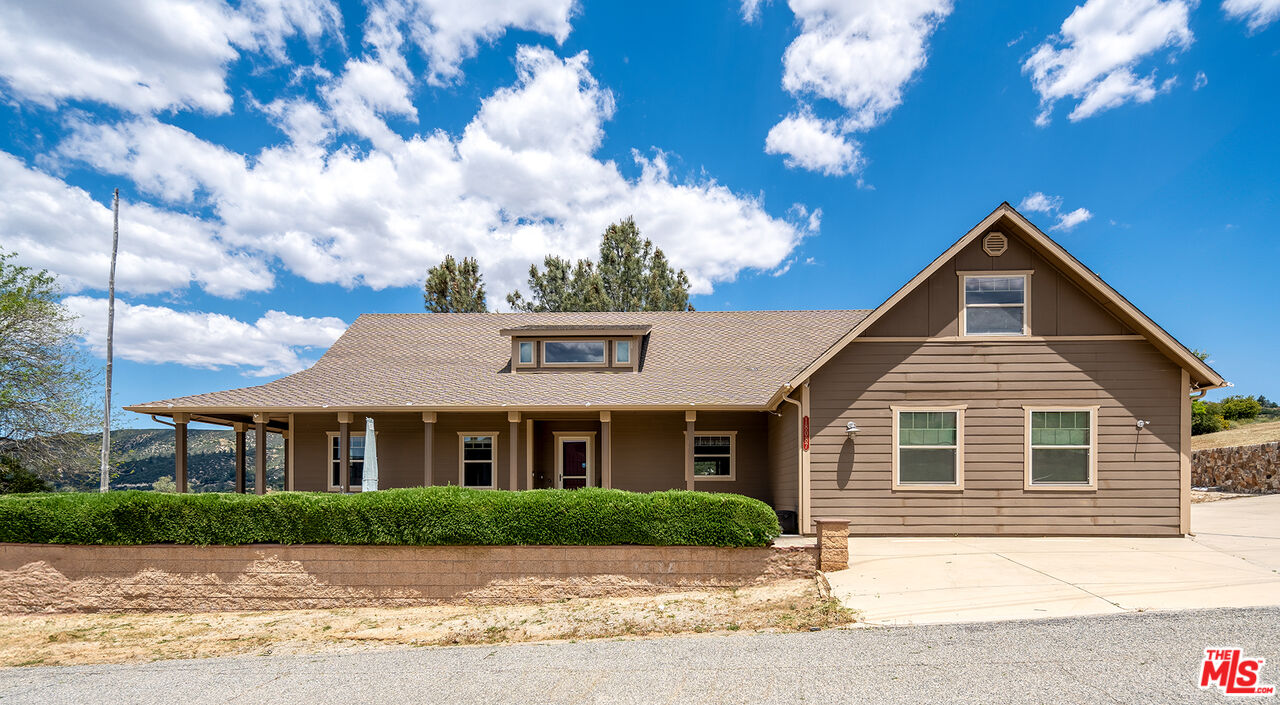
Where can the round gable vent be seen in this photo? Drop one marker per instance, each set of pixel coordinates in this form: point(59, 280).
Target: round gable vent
point(995, 244)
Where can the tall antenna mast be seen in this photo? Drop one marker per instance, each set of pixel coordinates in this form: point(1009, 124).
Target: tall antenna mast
point(111, 320)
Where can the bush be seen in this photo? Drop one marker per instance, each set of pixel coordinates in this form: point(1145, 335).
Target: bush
point(1206, 418)
point(1237, 407)
point(432, 516)
point(14, 478)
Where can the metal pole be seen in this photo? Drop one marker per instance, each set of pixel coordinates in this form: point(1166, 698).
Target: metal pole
point(111, 320)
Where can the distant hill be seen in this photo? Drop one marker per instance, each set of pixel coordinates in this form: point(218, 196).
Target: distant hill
point(142, 456)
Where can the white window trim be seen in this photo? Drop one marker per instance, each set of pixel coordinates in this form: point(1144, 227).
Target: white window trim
point(328, 448)
point(958, 485)
point(1092, 485)
point(1026, 302)
point(533, 353)
point(603, 363)
point(733, 456)
point(560, 438)
point(493, 462)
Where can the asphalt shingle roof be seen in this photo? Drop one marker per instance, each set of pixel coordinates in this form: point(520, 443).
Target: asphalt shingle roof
point(435, 360)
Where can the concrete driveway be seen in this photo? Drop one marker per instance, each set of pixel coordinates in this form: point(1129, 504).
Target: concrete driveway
point(1233, 560)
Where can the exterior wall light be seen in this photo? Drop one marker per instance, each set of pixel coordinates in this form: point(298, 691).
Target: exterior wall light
point(851, 429)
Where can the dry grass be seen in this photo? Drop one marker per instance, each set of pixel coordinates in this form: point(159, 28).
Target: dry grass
point(1244, 435)
point(66, 639)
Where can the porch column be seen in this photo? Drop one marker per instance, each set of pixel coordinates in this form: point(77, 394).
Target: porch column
point(260, 453)
point(344, 450)
point(606, 449)
point(284, 437)
point(180, 451)
point(689, 418)
point(240, 456)
point(428, 446)
point(513, 418)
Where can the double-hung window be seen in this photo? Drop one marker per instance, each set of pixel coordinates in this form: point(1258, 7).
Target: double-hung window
point(355, 465)
point(928, 448)
point(477, 460)
point(994, 304)
point(1061, 448)
point(713, 455)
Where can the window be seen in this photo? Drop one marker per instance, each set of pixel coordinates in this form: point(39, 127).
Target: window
point(477, 457)
point(1060, 448)
point(995, 305)
point(526, 353)
point(622, 352)
point(928, 448)
point(713, 455)
point(355, 466)
point(573, 352)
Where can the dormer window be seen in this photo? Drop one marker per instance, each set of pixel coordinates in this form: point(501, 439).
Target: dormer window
point(994, 304)
point(585, 348)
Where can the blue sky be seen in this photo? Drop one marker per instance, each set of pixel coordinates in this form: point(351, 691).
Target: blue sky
point(286, 165)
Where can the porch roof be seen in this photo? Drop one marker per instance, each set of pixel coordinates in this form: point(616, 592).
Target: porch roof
point(440, 361)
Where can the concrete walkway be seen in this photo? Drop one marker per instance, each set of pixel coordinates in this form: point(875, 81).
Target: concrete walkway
point(1232, 561)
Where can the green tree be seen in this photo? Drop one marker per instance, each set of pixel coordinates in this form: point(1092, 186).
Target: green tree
point(630, 275)
point(15, 479)
point(45, 387)
point(1235, 408)
point(165, 484)
point(1205, 418)
point(451, 287)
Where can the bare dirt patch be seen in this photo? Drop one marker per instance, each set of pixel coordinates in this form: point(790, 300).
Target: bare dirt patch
point(1200, 496)
point(1243, 435)
point(68, 639)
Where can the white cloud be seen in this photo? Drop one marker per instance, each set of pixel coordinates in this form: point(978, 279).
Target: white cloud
point(1094, 56)
point(520, 182)
point(270, 346)
point(62, 228)
point(145, 55)
point(1037, 202)
point(751, 9)
point(817, 145)
point(858, 55)
point(1258, 13)
point(1201, 81)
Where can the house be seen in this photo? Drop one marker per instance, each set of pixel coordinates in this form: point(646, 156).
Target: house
point(1005, 389)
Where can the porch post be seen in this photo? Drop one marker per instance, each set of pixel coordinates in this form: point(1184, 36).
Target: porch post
point(284, 437)
point(240, 456)
point(513, 418)
point(606, 449)
point(689, 418)
point(180, 451)
point(344, 450)
point(428, 445)
point(260, 453)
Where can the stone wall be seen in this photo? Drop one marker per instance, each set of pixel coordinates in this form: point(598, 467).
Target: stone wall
point(1239, 468)
point(50, 578)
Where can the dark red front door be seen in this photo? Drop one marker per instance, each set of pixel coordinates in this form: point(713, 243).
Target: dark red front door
point(573, 472)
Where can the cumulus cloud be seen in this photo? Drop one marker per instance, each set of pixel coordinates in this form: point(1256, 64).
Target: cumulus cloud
point(521, 181)
point(1038, 202)
point(817, 145)
point(1095, 56)
point(145, 55)
point(62, 228)
point(859, 56)
point(270, 346)
point(1257, 13)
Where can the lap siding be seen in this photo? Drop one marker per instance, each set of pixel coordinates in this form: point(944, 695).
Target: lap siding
point(1138, 487)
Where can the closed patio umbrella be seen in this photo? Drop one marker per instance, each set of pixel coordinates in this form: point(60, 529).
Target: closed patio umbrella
point(369, 482)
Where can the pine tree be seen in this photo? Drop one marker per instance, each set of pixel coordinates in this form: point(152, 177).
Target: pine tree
point(451, 287)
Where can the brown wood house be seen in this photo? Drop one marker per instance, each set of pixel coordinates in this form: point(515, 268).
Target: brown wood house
point(1005, 389)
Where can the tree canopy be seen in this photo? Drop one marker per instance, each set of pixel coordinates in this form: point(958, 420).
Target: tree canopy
point(453, 287)
point(630, 275)
point(45, 389)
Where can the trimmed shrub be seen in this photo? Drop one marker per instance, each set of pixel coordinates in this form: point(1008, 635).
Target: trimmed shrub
point(432, 516)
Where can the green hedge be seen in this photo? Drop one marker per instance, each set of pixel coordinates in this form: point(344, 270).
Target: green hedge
point(432, 516)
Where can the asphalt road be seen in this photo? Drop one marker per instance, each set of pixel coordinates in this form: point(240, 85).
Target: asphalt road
point(1132, 658)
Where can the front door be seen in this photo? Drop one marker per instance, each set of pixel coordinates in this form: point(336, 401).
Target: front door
point(575, 463)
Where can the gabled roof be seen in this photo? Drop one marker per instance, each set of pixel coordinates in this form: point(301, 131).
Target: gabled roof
point(1202, 375)
point(440, 361)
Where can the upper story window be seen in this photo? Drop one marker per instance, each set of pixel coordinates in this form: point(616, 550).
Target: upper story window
point(526, 353)
point(573, 352)
point(622, 352)
point(994, 304)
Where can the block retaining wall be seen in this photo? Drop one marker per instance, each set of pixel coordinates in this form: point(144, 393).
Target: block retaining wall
point(1253, 468)
point(55, 578)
